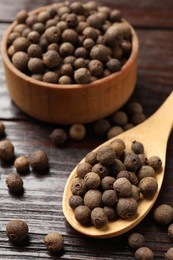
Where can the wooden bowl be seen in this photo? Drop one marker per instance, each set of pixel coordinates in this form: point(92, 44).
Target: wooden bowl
point(68, 104)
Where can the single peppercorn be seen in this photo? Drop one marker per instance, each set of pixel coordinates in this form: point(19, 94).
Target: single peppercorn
point(170, 231)
point(20, 60)
point(65, 80)
point(21, 164)
point(99, 217)
point(107, 183)
point(109, 198)
point(33, 37)
point(115, 15)
point(70, 35)
point(20, 28)
point(136, 240)
point(126, 207)
point(106, 155)
point(110, 212)
point(34, 50)
point(113, 65)
point(78, 187)
point(135, 192)
point(91, 158)
point(101, 127)
point(77, 8)
point(77, 131)
point(116, 167)
point(82, 214)
point(138, 118)
point(123, 187)
point(148, 187)
point(82, 76)
point(39, 160)
point(75, 201)
point(119, 118)
point(51, 59)
point(146, 171)
point(2, 129)
point(144, 253)
point(93, 198)
point(14, 183)
point(17, 230)
point(72, 20)
point(100, 52)
point(131, 176)
point(163, 214)
point(38, 27)
point(131, 161)
point(83, 168)
point(6, 150)
point(169, 254)
point(100, 169)
point(134, 107)
point(50, 77)
point(58, 136)
point(96, 68)
point(21, 44)
point(119, 146)
point(155, 162)
point(35, 65)
point(21, 16)
point(114, 131)
point(137, 147)
point(66, 49)
point(92, 180)
point(54, 241)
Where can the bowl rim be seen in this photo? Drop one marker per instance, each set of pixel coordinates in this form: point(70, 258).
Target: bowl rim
point(25, 77)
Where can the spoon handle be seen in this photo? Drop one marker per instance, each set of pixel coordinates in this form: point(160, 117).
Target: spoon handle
point(160, 124)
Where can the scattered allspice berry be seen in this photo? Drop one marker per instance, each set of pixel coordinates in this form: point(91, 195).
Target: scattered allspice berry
point(14, 183)
point(136, 240)
point(77, 132)
point(17, 230)
point(170, 232)
point(163, 214)
point(6, 150)
point(58, 136)
point(22, 164)
point(54, 241)
point(39, 160)
point(169, 254)
point(144, 253)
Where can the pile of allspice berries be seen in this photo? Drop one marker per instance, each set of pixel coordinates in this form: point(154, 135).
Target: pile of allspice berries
point(70, 42)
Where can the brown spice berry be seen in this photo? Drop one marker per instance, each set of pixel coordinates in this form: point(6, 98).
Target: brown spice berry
point(54, 241)
point(113, 65)
point(6, 150)
point(2, 129)
point(93, 198)
point(119, 146)
point(99, 217)
point(83, 168)
point(136, 240)
point(131, 161)
point(170, 231)
point(106, 155)
point(134, 107)
point(155, 162)
point(143, 253)
point(77, 131)
point(82, 76)
point(82, 214)
point(107, 183)
point(92, 180)
point(20, 60)
point(78, 187)
point(126, 207)
point(14, 183)
point(51, 59)
point(123, 187)
point(72, 20)
point(116, 167)
point(119, 118)
point(135, 192)
point(75, 201)
point(137, 147)
point(91, 158)
point(138, 118)
point(21, 164)
point(101, 127)
point(34, 50)
point(70, 35)
point(58, 136)
point(100, 52)
point(50, 77)
point(21, 44)
point(109, 197)
point(96, 68)
point(66, 49)
point(21, 16)
point(101, 170)
point(148, 186)
point(35, 65)
point(114, 131)
point(33, 37)
point(146, 171)
point(77, 8)
point(65, 80)
point(17, 230)
point(39, 160)
point(115, 15)
point(163, 214)
point(169, 254)
point(110, 212)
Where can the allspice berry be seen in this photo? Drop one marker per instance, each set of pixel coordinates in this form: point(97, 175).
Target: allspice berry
point(20, 60)
point(136, 240)
point(170, 232)
point(39, 160)
point(100, 52)
point(75, 201)
point(78, 187)
point(14, 183)
point(126, 207)
point(21, 163)
point(93, 199)
point(82, 76)
point(131, 161)
point(169, 254)
point(137, 147)
point(17, 230)
point(101, 127)
point(106, 155)
point(148, 187)
point(58, 136)
point(92, 180)
point(83, 168)
point(82, 214)
point(163, 214)
point(123, 187)
point(54, 241)
point(77, 132)
point(6, 150)
point(99, 217)
point(144, 253)
point(155, 162)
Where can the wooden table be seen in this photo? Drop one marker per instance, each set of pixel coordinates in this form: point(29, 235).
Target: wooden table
point(40, 206)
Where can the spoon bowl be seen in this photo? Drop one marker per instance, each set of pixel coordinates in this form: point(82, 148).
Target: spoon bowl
point(153, 133)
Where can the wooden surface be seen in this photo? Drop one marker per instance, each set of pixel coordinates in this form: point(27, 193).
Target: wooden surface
point(40, 205)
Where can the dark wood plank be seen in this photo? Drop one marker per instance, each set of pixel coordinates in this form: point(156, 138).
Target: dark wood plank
point(140, 13)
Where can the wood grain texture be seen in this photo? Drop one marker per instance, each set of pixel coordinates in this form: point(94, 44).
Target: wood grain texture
point(40, 205)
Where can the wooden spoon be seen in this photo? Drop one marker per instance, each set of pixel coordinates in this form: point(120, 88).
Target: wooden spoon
point(153, 133)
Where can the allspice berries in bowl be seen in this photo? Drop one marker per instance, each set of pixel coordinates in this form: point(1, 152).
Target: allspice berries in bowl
point(70, 62)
